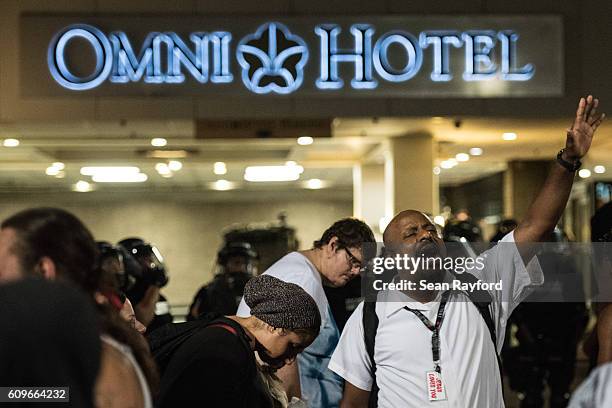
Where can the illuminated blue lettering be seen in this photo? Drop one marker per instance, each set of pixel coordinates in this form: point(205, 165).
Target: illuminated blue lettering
point(270, 65)
point(441, 52)
point(361, 56)
point(57, 62)
point(413, 53)
point(195, 62)
point(127, 66)
point(178, 56)
point(159, 75)
point(509, 72)
point(478, 62)
point(220, 52)
point(272, 59)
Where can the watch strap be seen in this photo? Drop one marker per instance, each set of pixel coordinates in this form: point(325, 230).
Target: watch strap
point(569, 166)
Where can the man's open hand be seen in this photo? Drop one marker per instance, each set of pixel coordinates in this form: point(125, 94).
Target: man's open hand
point(580, 135)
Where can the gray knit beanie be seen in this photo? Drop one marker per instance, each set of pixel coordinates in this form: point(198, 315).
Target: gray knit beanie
point(281, 304)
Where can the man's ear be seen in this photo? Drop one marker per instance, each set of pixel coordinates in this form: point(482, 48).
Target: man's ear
point(46, 267)
point(332, 246)
point(277, 331)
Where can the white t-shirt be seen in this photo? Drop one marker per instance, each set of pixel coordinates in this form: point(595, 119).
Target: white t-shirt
point(296, 268)
point(403, 352)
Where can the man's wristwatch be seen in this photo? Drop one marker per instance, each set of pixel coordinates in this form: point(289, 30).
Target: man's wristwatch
point(569, 166)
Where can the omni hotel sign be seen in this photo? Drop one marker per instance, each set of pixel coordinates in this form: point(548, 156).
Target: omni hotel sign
point(481, 56)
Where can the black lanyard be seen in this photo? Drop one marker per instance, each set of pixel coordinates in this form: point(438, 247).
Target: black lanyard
point(435, 328)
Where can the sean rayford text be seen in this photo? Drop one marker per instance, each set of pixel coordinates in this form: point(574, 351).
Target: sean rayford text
point(455, 284)
point(411, 264)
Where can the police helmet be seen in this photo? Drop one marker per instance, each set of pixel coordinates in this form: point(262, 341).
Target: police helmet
point(144, 262)
point(232, 249)
point(462, 231)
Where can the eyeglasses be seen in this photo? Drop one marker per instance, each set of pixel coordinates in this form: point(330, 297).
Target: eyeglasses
point(353, 260)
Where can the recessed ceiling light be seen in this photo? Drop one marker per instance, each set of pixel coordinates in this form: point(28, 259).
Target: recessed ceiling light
point(436, 170)
point(314, 184)
point(109, 170)
point(114, 174)
point(509, 136)
point(305, 140)
point(159, 142)
point(120, 178)
point(52, 171)
point(220, 168)
point(449, 163)
point(10, 142)
point(162, 169)
point(599, 169)
point(56, 170)
point(223, 185)
point(272, 173)
point(476, 151)
point(584, 173)
point(462, 157)
point(82, 186)
point(175, 165)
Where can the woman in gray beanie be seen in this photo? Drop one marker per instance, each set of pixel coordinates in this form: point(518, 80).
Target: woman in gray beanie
point(211, 361)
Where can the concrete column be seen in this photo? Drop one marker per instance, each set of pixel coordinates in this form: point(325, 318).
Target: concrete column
point(369, 193)
point(409, 179)
point(522, 181)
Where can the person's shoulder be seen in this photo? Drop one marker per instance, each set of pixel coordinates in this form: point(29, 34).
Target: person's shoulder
point(201, 292)
point(356, 318)
point(221, 335)
point(292, 258)
point(217, 346)
point(509, 237)
point(293, 267)
point(296, 268)
point(117, 379)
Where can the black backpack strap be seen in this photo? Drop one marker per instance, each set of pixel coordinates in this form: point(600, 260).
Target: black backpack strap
point(370, 326)
point(164, 341)
point(482, 300)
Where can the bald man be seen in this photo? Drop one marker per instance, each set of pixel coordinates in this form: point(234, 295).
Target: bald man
point(433, 347)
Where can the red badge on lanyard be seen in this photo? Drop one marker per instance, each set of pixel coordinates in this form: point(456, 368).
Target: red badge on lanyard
point(435, 386)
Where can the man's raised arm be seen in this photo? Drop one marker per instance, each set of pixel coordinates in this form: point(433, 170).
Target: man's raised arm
point(547, 207)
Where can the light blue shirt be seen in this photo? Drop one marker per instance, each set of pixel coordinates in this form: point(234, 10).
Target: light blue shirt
point(321, 387)
point(595, 391)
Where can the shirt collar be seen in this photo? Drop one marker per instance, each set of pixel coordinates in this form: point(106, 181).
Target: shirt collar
point(395, 300)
